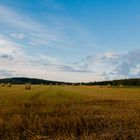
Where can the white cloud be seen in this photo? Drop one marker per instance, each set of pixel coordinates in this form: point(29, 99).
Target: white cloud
point(111, 55)
point(54, 31)
point(15, 61)
point(9, 47)
point(4, 73)
point(112, 65)
point(36, 32)
point(129, 64)
point(17, 35)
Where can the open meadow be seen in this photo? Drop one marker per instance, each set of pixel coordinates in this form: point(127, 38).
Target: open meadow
point(69, 112)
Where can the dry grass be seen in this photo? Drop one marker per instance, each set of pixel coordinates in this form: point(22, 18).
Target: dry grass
point(69, 112)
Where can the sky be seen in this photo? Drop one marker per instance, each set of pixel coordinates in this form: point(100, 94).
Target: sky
point(70, 40)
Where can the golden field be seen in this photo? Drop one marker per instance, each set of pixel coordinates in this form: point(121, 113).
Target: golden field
point(69, 113)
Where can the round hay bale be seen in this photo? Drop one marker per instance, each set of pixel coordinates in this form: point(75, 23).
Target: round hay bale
point(9, 85)
point(28, 86)
point(2, 84)
point(121, 86)
point(109, 85)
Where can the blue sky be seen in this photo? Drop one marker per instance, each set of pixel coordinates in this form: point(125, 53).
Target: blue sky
point(70, 40)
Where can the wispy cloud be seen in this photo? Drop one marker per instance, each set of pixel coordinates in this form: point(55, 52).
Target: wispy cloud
point(15, 58)
point(4, 73)
point(62, 32)
point(9, 47)
point(16, 62)
point(22, 34)
point(17, 35)
point(34, 31)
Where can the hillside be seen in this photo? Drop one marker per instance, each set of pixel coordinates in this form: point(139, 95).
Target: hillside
point(23, 80)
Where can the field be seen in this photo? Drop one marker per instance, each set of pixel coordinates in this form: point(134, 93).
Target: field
point(69, 112)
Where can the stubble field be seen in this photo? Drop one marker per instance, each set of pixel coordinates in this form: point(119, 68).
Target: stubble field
point(69, 112)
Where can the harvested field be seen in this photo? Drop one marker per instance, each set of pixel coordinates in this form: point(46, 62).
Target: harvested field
point(69, 112)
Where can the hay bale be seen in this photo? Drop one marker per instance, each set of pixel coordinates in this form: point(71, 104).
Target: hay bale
point(28, 86)
point(121, 86)
point(109, 85)
point(9, 85)
point(2, 84)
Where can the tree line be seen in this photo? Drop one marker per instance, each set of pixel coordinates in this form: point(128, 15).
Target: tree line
point(123, 82)
point(22, 80)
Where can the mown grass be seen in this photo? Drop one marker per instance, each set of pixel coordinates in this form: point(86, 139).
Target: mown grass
point(69, 112)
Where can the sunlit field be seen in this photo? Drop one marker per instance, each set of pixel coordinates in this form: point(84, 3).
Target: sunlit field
point(69, 112)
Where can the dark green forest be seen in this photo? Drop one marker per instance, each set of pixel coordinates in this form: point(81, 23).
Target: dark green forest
point(120, 82)
point(23, 80)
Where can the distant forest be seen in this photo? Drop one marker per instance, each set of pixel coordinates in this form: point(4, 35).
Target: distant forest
point(23, 80)
point(121, 82)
